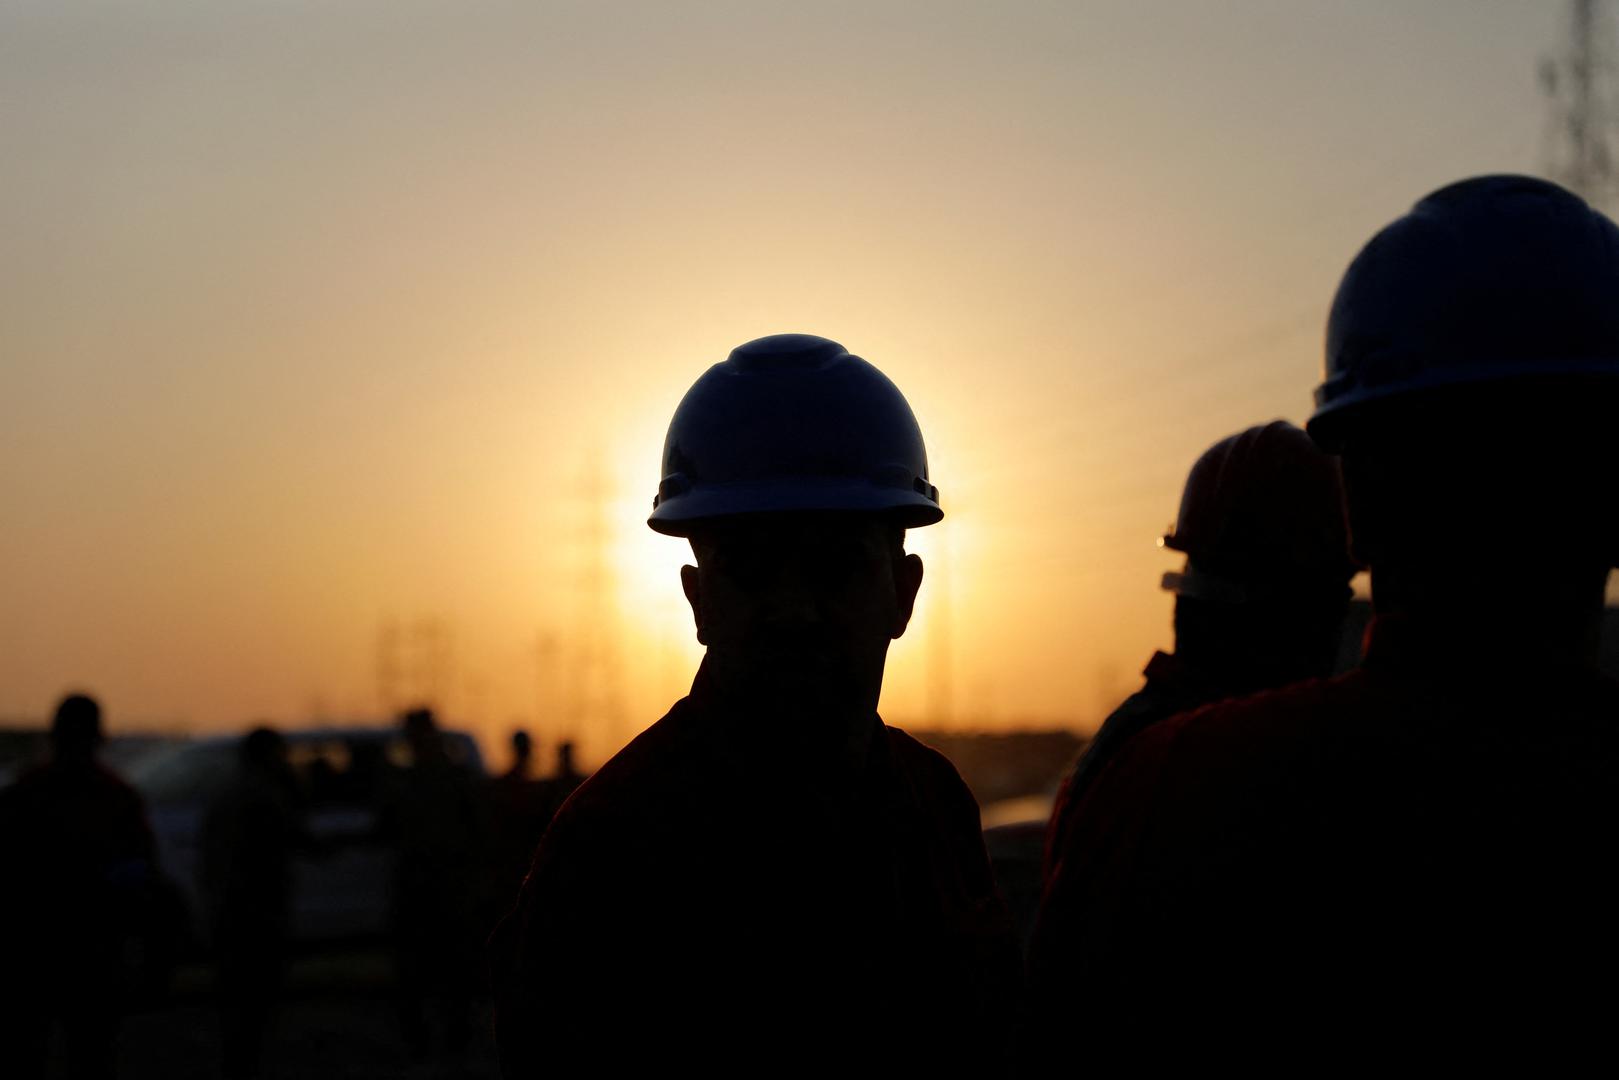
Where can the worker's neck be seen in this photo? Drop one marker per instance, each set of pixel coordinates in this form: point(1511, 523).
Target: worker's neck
point(824, 731)
point(1237, 673)
point(1534, 607)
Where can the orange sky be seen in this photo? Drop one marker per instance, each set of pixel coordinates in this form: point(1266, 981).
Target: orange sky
point(318, 319)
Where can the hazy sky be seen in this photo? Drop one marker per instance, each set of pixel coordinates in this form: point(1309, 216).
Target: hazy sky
point(319, 318)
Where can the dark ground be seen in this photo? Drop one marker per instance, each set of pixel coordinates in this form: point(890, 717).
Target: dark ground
point(338, 1018)
point(337, 1021)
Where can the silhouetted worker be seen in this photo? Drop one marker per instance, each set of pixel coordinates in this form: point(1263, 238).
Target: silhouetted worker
point(250, 837)
point(1261, 600)
point(1421, 849)
point(769, 876)
point(438, 820)
point(80, 874)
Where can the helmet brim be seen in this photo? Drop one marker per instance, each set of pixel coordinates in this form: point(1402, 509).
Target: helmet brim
point(1337, 410)
point(679, 517)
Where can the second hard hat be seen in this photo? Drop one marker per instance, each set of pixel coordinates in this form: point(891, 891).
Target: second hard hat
point(1262, 507)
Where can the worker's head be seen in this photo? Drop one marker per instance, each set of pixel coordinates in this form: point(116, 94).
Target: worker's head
point(1472, 374)
point(800, 607)
point(1266, 582)
point(76, 730)
point(794, 468)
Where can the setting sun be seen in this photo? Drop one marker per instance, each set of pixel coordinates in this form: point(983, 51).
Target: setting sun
point(403, 354)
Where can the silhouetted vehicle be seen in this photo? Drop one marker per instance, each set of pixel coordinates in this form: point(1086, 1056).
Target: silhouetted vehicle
point(345, 774)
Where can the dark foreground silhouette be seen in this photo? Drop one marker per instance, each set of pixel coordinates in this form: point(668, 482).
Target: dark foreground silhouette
point(1419, 850)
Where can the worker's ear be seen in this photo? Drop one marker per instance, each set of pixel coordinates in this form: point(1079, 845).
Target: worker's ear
point(907, 580)
point(691, 583)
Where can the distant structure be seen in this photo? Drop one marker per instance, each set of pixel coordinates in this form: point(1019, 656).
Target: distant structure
point(415, 663)
point(546, 655)
point(1579, 83)
point(590, 651)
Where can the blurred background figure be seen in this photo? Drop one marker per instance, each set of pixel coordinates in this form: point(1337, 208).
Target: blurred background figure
point(81, 889)
point(522, 757)
point(437, 818)
point(1260, 602)
point(521, 812)
point(561, 783)
point(250, 836)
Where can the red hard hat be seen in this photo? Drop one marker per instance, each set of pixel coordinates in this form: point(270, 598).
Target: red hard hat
point(1263, 508)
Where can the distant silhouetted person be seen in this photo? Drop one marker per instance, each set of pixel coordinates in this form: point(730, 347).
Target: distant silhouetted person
point(563, 782)
point(80, 872)
point(521, 811)
point(769, 877)
point(522, 756)
point(250, 837)
point(438, 819)
point(1260, 602)
point(1421, 850)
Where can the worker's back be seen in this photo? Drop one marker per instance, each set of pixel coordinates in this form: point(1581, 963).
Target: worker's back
point(1437, 826)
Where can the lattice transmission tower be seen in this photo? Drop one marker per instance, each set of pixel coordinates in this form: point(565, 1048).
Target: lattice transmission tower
point(1581, 85)
point(594, 703)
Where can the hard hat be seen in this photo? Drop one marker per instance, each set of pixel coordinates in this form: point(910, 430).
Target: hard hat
point(1496, 277)
point(1260, 508)
point(793, 422)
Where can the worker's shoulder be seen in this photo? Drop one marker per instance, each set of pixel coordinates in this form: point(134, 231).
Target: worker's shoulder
point(27, 781)
point(1360, 707)
point(119, 788)
point(1200, 767)
point(913, 753)
point(1302, 709)
point(924, 767)
point(49, 779)
point(654, 767)
point(1142, 709)
point(1254, 733)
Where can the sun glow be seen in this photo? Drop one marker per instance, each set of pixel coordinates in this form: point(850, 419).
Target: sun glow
point(406, 351)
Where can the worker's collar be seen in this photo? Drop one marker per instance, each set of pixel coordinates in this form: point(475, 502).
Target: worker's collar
point(740, 736)
point(1173, 674)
